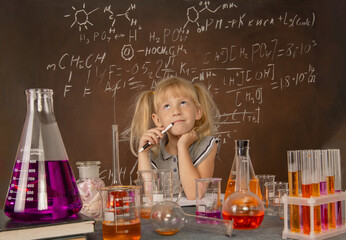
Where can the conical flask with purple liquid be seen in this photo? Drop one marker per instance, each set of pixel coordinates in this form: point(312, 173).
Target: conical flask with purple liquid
point(42, 186)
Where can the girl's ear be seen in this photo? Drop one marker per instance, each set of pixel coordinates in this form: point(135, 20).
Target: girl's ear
point(199, 113)
point(156, 120)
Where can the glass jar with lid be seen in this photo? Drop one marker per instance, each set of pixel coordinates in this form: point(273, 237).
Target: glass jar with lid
point(88, 184)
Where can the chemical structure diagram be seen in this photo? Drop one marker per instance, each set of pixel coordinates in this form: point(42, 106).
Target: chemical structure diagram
point(82, 21)
point(193, 14)
point(81, 18)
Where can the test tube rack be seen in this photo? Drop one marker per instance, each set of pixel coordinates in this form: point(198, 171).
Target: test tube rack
point(311, 202)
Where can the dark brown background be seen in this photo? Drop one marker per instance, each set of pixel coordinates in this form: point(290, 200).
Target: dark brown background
point(36, 34)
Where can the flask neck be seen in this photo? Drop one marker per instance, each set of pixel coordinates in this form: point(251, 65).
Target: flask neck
point(39, 100)
point(242, 165)
point(242, 183)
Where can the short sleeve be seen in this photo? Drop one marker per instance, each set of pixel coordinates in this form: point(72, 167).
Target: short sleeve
point(204, 148)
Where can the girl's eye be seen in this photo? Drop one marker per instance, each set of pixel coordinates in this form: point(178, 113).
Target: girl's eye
point(166, 106)
point(183, 103)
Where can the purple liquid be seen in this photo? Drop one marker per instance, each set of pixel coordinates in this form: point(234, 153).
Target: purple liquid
point(213, 214)
point(60, 197)
point(338, 207)
point(324, 207)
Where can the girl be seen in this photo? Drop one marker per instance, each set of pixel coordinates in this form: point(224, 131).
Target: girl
point(188, 148)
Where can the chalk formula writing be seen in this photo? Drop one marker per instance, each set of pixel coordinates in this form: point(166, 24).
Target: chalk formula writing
point(131, 53)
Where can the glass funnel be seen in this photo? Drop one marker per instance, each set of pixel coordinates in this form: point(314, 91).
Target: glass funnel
point(42, 186)
point(168, 218)
point(254, 185)
point(244, 207)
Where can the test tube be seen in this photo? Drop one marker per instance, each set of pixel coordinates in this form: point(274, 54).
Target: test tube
point(323, 189)
point(331, 188)
point(315, 177)
point(293, 185)
point(337, 185)
point(300, 157)
point(306, 188)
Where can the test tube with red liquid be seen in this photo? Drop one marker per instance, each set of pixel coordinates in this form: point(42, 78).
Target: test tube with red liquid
point(323, 189)
point(306, 187)
point(315, 178)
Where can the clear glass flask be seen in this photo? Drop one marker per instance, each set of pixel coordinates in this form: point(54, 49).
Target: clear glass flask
point(168, 218)
point(244, 207)
point(42, 186)
point(254, 185)
point(88, 184)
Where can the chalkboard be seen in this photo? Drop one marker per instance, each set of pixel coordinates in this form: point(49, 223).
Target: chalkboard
point(274, 67)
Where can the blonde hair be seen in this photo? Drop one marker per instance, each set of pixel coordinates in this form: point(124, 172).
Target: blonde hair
point(148, 102)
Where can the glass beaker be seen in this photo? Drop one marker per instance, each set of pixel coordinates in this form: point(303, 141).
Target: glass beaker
point(262, 180)
point(208, 202)
point(254, 186)
point(168, 218)
point(42, 185)
point(273, 197)
point(120, 208)
point(244, 207)
point(157, 186)
point(88, 183)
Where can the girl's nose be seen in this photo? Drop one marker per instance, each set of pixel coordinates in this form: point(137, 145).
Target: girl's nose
point(176, 111)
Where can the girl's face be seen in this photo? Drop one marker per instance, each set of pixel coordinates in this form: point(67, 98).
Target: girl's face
point(178, 110)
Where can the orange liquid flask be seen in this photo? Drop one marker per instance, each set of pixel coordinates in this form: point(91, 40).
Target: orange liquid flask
point(253, 180)
point(242, 206)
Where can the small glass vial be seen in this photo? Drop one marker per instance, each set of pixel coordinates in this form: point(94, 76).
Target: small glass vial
point(88, 184)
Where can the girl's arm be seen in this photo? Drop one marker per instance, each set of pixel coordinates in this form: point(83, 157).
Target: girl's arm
point(188, 172)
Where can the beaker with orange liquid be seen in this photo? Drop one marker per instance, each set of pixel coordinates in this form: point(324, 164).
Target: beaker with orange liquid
point(242, 206)
point(120, 212)
point(253, 180)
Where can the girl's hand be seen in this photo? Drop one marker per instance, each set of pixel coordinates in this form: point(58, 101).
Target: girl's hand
point(187, 139)
point(153, 136)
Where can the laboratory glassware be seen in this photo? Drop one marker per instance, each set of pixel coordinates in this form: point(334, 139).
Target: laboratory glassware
point(262, 180)
point(315, 191)
point(88, 184)
point(208, 193)
point(156, 186)
point(293, 185)
point(273, 196)
point(323, 189)
point(42, 185)
point(337, 186)
point(115, 164)
point(253, 180)
point(120, 208)
point(168, 218)
point(306, 187)
point(331, 188)
point(244, 207)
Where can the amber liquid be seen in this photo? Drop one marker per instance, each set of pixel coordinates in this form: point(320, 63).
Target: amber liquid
point(125, 230)
point(331, 206)
point(253, 187)
point(317, 209)
point(245, 222)
point(294, 209)
point(145, 212)
point(167, 231)
point(306, 192)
